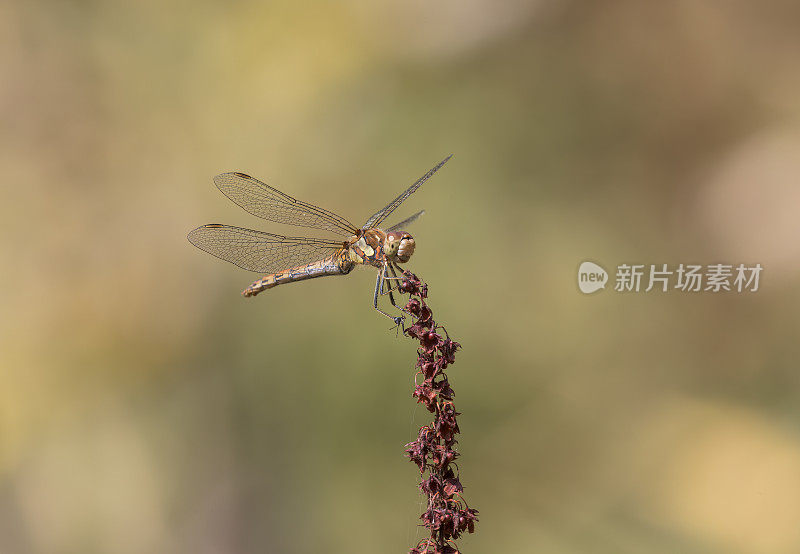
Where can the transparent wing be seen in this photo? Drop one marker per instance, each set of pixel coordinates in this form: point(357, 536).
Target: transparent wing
point(406, 222)
point(266, 202)
point(258, 251)
point(380, 215)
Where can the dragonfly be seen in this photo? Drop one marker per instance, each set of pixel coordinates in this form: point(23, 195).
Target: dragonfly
point(282, 259)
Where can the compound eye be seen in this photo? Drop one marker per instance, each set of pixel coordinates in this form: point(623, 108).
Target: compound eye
point(391, 247)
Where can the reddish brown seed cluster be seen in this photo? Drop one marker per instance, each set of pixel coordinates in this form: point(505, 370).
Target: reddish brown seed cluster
point(447, 516)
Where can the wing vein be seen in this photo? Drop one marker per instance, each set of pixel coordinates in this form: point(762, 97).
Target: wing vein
point(383, 213)
point(259, 251)
point(271, 204)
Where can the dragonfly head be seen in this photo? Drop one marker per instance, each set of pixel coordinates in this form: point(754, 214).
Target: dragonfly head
point(398, 246)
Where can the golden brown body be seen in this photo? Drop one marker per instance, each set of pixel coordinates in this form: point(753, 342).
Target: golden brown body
point(373, 247)
point(284, 259)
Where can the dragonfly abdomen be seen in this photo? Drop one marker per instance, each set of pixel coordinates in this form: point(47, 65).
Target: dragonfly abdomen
point(337, 264)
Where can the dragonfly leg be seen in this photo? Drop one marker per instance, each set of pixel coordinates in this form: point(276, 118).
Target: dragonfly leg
point(400, 269)
point(391, 296)
point(390, 266)
point(387, 280)
point(394, 277)
point(398, 320)
point(384, 281)
point(389, 287)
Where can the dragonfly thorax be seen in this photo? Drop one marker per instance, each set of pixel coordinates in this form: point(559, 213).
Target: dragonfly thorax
point(376, 247)
point(398, 246)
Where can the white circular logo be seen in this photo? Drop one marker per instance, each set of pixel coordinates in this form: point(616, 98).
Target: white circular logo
point(591, 277)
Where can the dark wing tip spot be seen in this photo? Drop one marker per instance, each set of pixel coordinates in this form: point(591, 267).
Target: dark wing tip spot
point(224, 178)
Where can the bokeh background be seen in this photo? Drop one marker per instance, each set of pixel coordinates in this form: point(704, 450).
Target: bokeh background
point(146, 407)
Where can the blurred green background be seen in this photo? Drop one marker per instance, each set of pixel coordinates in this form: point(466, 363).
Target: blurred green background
point(147, 407)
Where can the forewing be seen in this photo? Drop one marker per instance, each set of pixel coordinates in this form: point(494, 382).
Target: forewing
point(406, 222)
point(259, 251)
point(382, 214)
point(266, 202)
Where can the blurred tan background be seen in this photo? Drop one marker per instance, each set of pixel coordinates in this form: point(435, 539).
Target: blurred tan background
point(147, 407)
